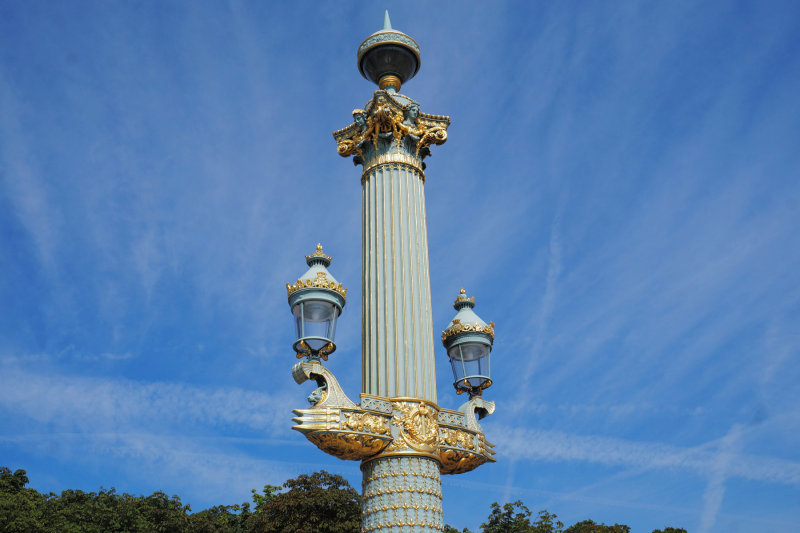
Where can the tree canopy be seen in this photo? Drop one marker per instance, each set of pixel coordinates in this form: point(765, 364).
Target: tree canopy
point(315, 503)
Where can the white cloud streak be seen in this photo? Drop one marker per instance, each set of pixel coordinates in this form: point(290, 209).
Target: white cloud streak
point(548, 445)
point(92, 404)
point(715, 491)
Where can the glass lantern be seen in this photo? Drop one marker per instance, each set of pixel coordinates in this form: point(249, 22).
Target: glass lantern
point(468, 341)
point(316, 300)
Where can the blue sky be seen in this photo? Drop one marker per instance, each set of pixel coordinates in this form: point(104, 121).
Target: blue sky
point(619, 190)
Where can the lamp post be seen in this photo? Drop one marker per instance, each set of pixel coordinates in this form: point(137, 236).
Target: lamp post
point(403, 439)
point(316, 300)
point(468, 341)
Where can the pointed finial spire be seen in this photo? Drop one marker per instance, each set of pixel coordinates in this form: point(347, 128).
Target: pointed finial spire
point(387, 24)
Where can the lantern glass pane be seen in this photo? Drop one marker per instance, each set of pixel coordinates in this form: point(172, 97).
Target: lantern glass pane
point(470, 363)
point(469, 351)
point(315, 327)
point(298, 319)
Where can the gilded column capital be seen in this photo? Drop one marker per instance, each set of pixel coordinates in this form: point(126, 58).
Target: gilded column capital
point(389, 127)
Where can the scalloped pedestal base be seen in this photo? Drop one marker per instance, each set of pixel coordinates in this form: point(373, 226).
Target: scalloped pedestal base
point(402, 494)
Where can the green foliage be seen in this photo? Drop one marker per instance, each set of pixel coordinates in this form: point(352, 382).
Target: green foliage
point(20, 507)
point(547, 523)
point(516, 518)
point(12, 483)
point(319, 503)
point(450, 529)
point(589, 526)
point(267, 493)
point(316, 503)
point(510, 518)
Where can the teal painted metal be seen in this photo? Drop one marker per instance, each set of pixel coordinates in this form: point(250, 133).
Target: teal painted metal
point(468, 341)
point(397, 351)
point(316, 300)
point(404, 440)
point(401, 495)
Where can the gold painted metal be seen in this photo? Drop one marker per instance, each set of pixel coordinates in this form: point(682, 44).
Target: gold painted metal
point(388, 80)
point(386, 115)
point(418, 425)
point(363, 421)
point(320, 281)
point(458, 327)
point(352, 446)
point(458, 461)
point(457, 438)
point(485, 385)
point(398, 158)
point(462, 296)
point(319, 253)
point(324, 352)
point(386, 427)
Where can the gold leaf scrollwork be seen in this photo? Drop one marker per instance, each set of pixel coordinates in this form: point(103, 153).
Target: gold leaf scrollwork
point(366, 422)
point(458, 439)
point(419, 427)
point(320, 281)
point(458, 327)
point(457, 462)
point(348, 147)
point(347, 446)
point(386, 118)
point(433, 135)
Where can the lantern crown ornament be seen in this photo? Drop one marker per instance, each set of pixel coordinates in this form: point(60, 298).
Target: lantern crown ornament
point(468, 341)
point(316, 300)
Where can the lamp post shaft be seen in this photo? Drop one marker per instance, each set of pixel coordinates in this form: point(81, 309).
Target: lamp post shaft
point(397, 340)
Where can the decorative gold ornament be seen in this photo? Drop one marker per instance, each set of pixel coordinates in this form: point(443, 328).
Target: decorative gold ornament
point(385, 117)
point(462, 296)
point(319, 253)
point(361, 421)
point(418, 425)
point(320, 281)
point(457, 461)
point(351, 446)
point(397, 158)
point(457, 438)
point(458, 327)
point(388, 80)
point(324, 352)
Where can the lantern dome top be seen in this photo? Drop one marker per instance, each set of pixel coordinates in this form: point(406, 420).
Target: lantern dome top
point(466, 321)
point(389, 57)
point(317, 276)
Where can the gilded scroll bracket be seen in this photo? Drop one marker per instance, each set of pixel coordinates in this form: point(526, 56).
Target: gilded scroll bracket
point(384, 427)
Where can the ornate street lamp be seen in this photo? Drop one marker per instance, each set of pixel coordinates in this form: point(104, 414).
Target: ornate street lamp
point(403, 438)
point(468, 341)
point(316, 300)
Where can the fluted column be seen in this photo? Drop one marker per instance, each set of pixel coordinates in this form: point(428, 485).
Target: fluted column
point(397, 350)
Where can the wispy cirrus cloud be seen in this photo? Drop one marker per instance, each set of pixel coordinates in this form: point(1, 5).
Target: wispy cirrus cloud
point(729, 451)
point(549, 445)
point(70, 402)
